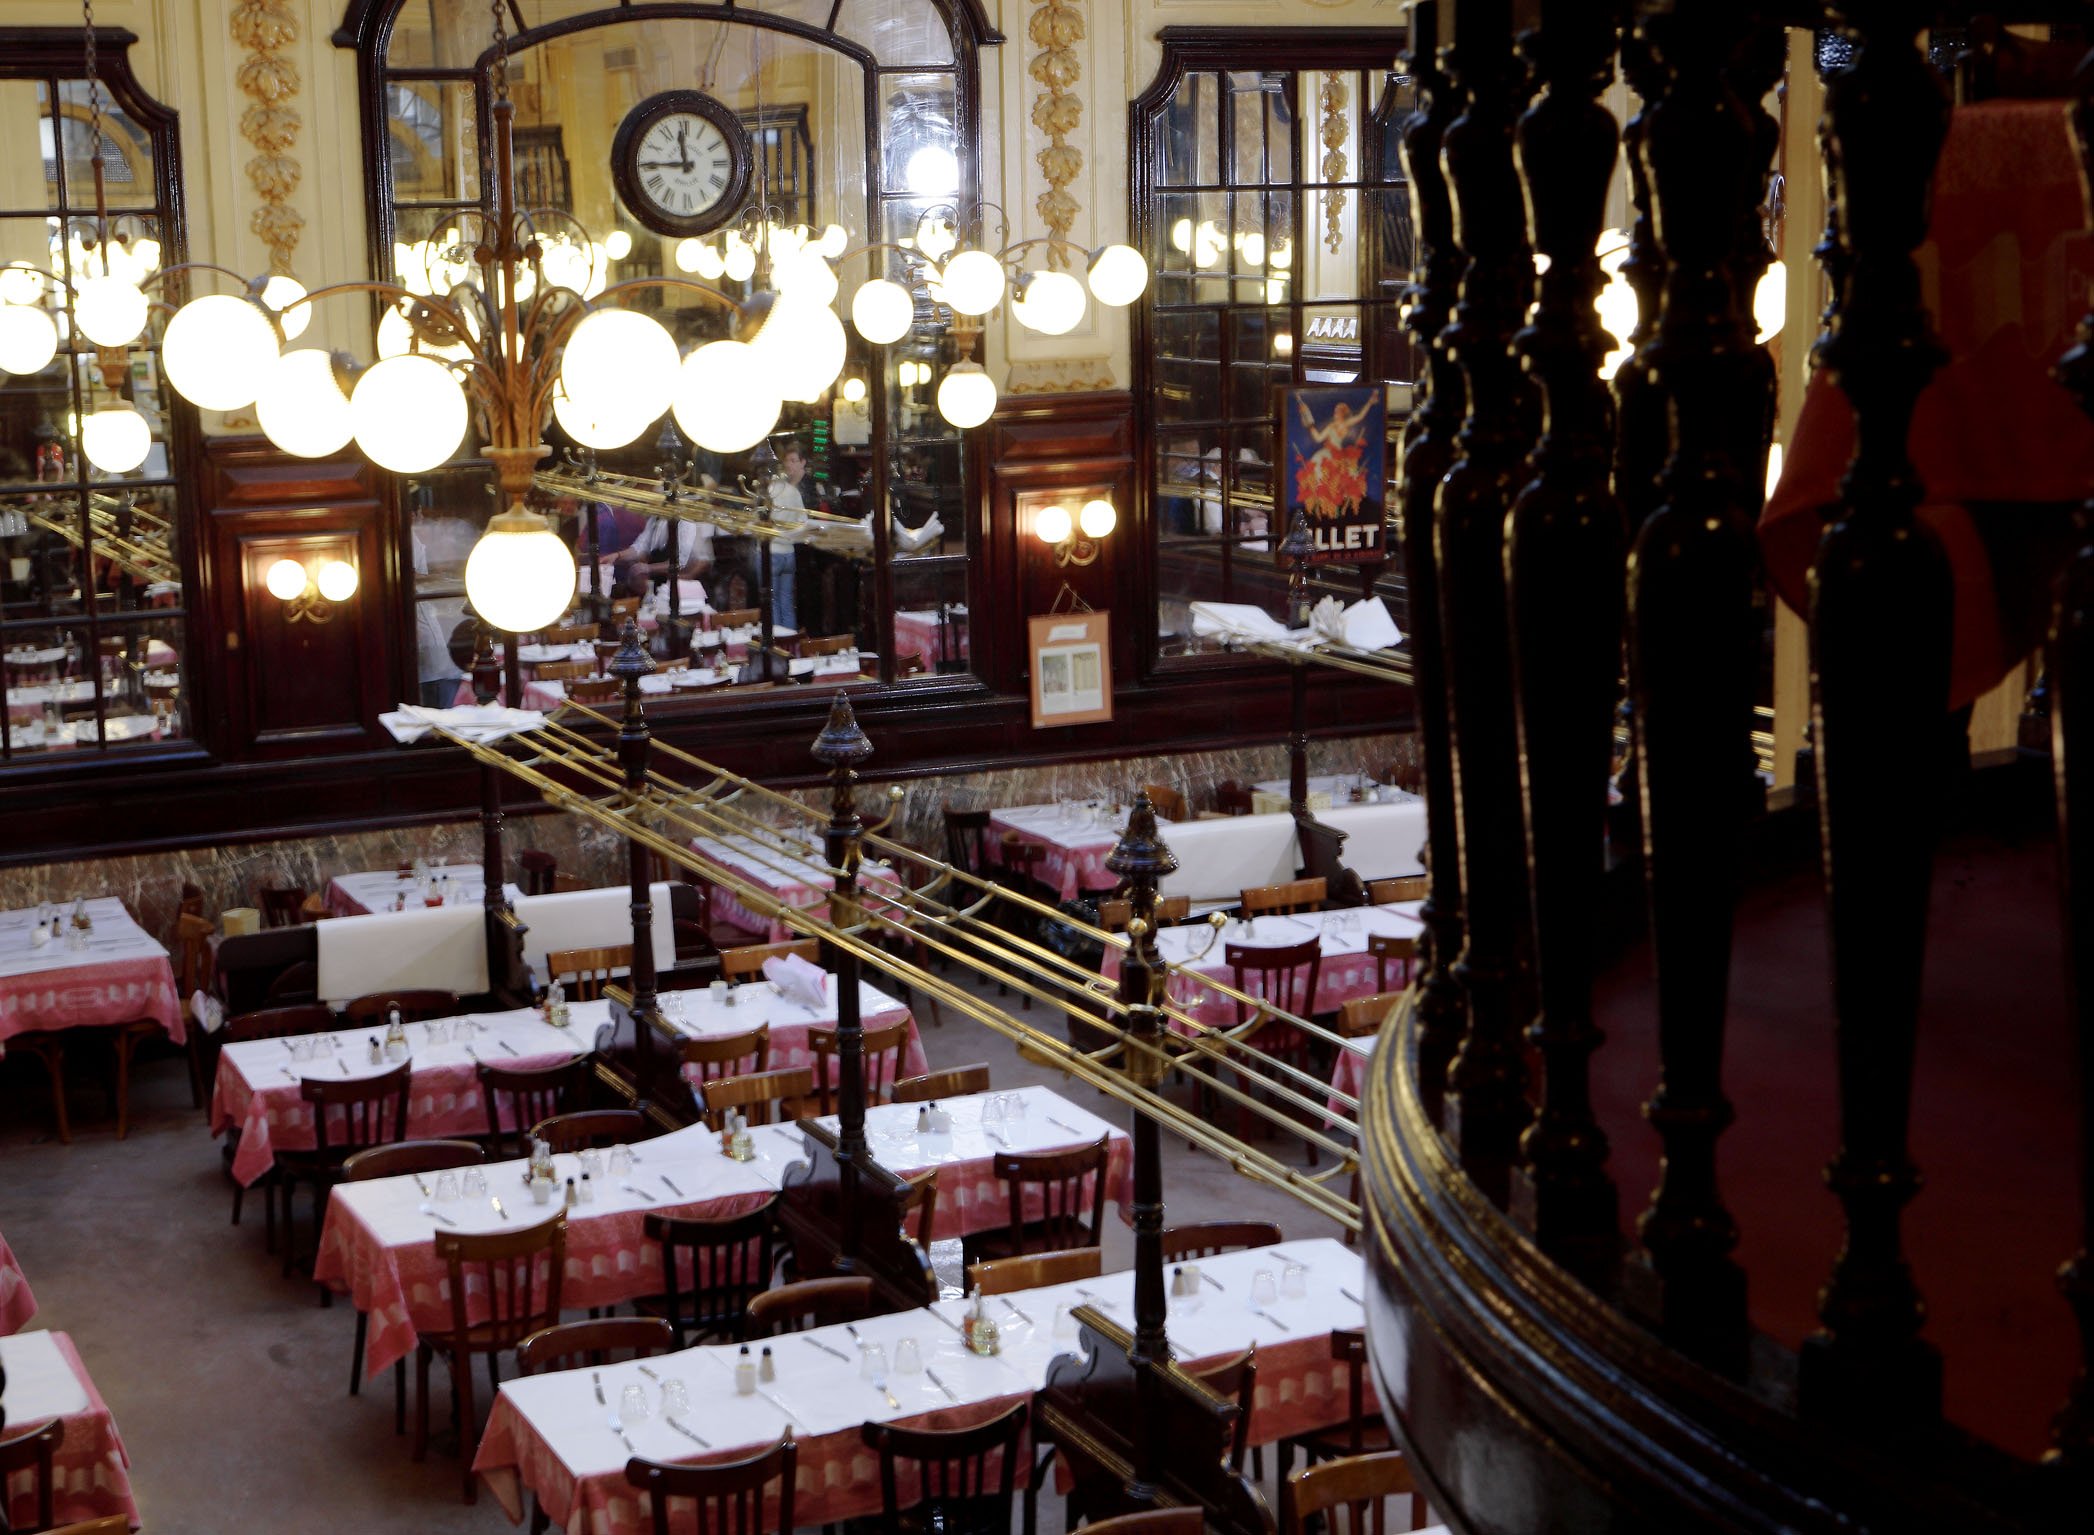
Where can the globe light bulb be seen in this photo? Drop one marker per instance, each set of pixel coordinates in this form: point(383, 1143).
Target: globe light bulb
point(801, 348)
point(835, 241)
point(618, 245)
point(1118, 275)
point(116, 439)
point(285, 298)
point(966, 395)
point(1049, 302)
point(687, 253)
point(597, 427)
point(28, 339)
point(21, 283)
point(337, 580)
point(520, 575)
point(973, 282)
point(285, 580)
point(1181, 237)
point(622, 365)
point(302, 408)
point(722, 401)
point(1253, 249)
point(1054, 525)
point(1770, 302)
point(1097, 519)
point(739, 263)
point(883, 311)
point(110, 311)
point(854, 390)
point(807, 276)
point(409, 414)
point(932, 171)
point(1283, 344)
point(218, 350)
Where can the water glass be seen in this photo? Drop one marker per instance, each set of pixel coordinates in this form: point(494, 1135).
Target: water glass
point(1294, 1281)
point(592, 1162)
point(992, 1111)
point(621, 1160)
point(872, 1361)
point(439, 1032)
point(472, 1183)
point(632, 1404)
point(325, 1044)
point(1014, 1106)
point(676, 1397)
point(446, 1187)
point(1263, 1291)
point(908, 1358)
point(301, 1049)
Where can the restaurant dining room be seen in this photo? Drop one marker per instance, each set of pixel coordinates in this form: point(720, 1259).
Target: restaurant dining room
point(921, 767)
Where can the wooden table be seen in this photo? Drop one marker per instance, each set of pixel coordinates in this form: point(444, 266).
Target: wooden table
point(46, 1380)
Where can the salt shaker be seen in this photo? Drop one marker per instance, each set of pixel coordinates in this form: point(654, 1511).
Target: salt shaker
point(745, 1373)
point(767, 1370)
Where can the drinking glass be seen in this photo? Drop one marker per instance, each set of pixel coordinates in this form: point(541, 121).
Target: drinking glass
point(446, 1186)
point(301, 1049)
point(621, 1161)
point(908, 1358)
point(1014, 1106)
point(439, 1032)
point(992, 1112)
point(872, 1361)
point(676, 1397)
point(472, 1183)
point(592, 1162)
point(325, 1044)
point(1294, 1282)
point(632, 1403)
point(1263, 1291)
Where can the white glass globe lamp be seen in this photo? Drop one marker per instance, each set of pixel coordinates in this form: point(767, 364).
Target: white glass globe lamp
point(285, 580)
point(1118, 275)
point(337, 580)
point(284, 297)
point(1054, 525)
point(116, 439)
point(520, 575)
point(723, 401)
point(966, 395)
point(110, 311)
point(1097, 519)
point(28, 339)
point(218, 351)
point(973, 282)
point(1049, 302)
point(620, 366)
point(302, 408)
point(409, 414)
point(883, 311)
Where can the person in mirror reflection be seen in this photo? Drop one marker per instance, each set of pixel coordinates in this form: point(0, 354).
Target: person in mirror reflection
point(792, 489)
point(631, 578)
point(434, 618)
point(694, 549)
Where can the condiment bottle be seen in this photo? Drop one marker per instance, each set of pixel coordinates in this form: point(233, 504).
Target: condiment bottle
point(923, 1120)
point(588, 1190)
point(745, 1373)
point(377, 1053)
point(573, 1197)
point(768, 1369)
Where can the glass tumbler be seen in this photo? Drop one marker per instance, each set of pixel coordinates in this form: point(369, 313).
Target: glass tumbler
point(632, 1403)
point(472, 1183)
point(621, 1161)
point(872, 1361)
point(1263, 1290)
point(908, 1358)
point(676, 1397)
point(446, 1186)
point(1294, 1282)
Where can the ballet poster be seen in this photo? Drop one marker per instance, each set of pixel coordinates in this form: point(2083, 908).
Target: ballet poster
point(1335, 476)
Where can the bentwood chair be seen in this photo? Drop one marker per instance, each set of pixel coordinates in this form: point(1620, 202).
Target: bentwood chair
point(734, 618)
point(809, 1303)
point(1169, 802)
point(921, 1207)
point(1408, 887)
point(594, 1129)
point(1005, 1276)
point(583, 972)
point(264, 1023)
point(1181, 1244)
point(1286, 898)
point(727, 1495)
point(826, 645)
point(280, 904)
point(764, 1097)
point(1153, 1521)
point(1058, 1185)
point(193, 934)
point(711, 1271)
point(595, 690)
point(883, 1061)
point(562, 672)
point(727, 1055)
point(33, 1452)
point(1113, 916)
point(1348, 1497)
point(1021, 862)
point(538, 867)
point(1363, 1016)
point(1285, 979)
point(1232, 798)
point(746, 962)
point(1236, 1380)
point(952, 1082)
point(517, 1276)
point(1363, 1432)
point(400, 1160)
point(1388, 950)
point(571, 1345)
point(349, 1116)
point(518, 1097)
point(415, 1006)
point(966, 1477)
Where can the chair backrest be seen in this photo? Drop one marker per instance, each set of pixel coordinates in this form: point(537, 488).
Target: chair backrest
point(967, 839)
point(538, 867)
point(1001, 1276)
point(1232, 798)
point(1207, 1238)
point(584, 1129)
point(1151, 1521)
point(1113, 915)
point(191, 901)
point(1169, 802)
point(518, 1274)
point(1287, 897)
point(193, 936)
point(1349, 1349)
point(1389, 950)
point(582, 972)
point(1285, 978)
point(809, 1303)
point(827, 644)
point(566, 634)
point(1235, 1380)
point(727, 1055)
point(359, 1111)
point(1020, 855)
point(1407, 887)
point(1350, 1496)
point(922, 1203)
point(569, 1345)
point(965, 1473)
point(251, 968)
point(712, 1269)
point(278, 1023)
point(746, 962)
point(952, 1082)
point(734, 618)
point(562, 671)
point(595, 690)
point(404, 1157)
point(1065, 1181)
point(33, 1452)
point(622, 608)
point(760, 1095)
point(280, 904)
point(883, 1061)
point(518, 1097)
point(1365, 1015)
point(415, 1006)
point(727, 1495)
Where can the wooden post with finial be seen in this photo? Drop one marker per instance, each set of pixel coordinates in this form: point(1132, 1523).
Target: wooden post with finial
point(1295, 550)
point(629, 666)
point(487, 669)
point(840, 747)
point(1880, 631)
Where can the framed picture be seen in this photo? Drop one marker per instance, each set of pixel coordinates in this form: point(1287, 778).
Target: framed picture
point(1336, 476)
point(1071, 669)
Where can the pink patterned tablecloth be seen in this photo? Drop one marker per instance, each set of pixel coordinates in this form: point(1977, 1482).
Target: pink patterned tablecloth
point(128, 980)
point(17, 1305)
point(1347, 970)
point(1076, 849)
point(92, 1470)
point(1349, 1075)
point(789, 1046)
point(790, 880)
point(916, 631)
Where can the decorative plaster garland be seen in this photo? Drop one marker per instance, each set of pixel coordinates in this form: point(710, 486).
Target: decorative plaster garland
point(1333, 102)
point(265, 28)
point(1057, 26)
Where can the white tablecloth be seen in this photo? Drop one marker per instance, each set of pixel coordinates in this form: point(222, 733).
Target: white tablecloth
point(114, 937)
point(350, 895)
point(41, 1382)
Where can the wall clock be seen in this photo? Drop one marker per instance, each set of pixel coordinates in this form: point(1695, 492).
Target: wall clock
point(680, 162)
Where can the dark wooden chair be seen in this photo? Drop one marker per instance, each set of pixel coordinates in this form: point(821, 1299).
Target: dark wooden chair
point(274, 967)
point(1402, 953)
point(1154, 1521)
point(883, 1061)
point(595, 690)
point(539, 868)
point(921, 1208)
point(265, 1023)
point(1003, 1276)
point(1363, 1016)
point(809, 1303)
point(1408, 887)
point(586, 1129)
point(1113, 916)
point(281, 904)
point(967, 839)
point(1021, 862)
point(1363, 1432)
point(1236, 1380)
point(745, 962)
point(952, 1082)
point(1286, 979)
point(727, 1055)
point(518, 1097)
point(519, 1274)
point(726, 1495)
point(1232, 798)
point(1348, 1497)
point(1060, 1184)
point(399, 1160)
point(1285, 898)
point(583, 972)
point(571, 1345)
point(1169, 802)
point(47, 1047)
point(1182, 1244)
point(711, 1271)
point(764, 1097)
point(965, 1477)
point(349, 1116)
point(415, 1006)
point(33, 1452)
point(193, 934)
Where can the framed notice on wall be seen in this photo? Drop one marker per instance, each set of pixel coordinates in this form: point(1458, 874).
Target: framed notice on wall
point(1336, 475)
point(1071, 669)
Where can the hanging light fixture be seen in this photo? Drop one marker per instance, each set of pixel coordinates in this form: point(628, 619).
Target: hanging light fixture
point(302, 408)
point(966, 395)
point(28, 339)
point(218, 349)
point(520, 575)
point(1051, 303)
point(116, 438)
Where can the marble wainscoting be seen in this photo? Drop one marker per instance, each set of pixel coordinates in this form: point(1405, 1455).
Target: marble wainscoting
point(151, 884)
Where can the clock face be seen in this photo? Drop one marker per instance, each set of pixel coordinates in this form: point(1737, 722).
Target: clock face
point(681, 162)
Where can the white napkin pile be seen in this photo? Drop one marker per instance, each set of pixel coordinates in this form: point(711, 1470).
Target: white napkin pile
point(209, 1012)
point(1236, 621)
point(410, 722)
point(909, 540)
point(1366, 625)
point(797, 981)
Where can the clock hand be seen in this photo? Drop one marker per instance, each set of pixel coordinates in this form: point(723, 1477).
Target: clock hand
point(665, 165)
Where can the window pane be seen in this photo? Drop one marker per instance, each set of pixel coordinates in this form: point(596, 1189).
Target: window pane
point(1188, 133)
point(435, 143)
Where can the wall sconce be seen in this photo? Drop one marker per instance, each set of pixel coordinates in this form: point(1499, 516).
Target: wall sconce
point(310, 597)
point(1076, 539)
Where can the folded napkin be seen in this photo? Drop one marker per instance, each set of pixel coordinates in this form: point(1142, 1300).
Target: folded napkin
point(909, 540)
point(1366, 625)
point(798, 981)
point(209, 1011)
point(410, 722)
point(1236, 621)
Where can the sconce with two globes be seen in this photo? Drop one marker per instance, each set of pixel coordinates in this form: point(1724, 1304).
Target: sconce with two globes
point(1076, 537)
point(309, 595)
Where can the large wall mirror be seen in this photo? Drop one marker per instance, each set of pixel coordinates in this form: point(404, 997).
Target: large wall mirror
point(1270, 202)
point(661, 139)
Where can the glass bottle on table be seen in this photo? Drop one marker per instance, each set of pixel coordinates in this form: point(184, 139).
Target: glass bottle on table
point(395, 1034)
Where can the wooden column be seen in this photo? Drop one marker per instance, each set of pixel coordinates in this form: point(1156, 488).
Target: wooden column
point(1564, 549)
point(1428, 453)
point(1486, 1105)
point(840, 747)
point(629, 666)
point(1880, 624)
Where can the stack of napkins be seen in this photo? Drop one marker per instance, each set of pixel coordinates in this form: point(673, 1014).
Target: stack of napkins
point(798, 981)
point(1366, 625)
point(475, 722)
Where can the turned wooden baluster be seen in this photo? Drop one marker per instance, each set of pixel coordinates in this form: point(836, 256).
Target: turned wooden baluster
point(1563, 563)
point(1486, 1106)
point(1879, 623)
point(1693, 652)
point(840, 747)
point(1428, 452)
point(1640, 437)
point(635, 745)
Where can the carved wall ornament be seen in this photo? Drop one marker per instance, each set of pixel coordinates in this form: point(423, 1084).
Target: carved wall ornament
point(1333, 101)
point(1059, 375)
point(265, 29)
point(1056, 28)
